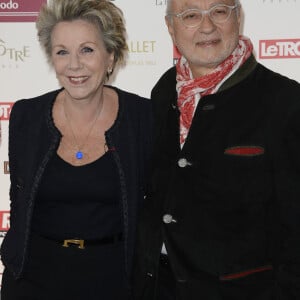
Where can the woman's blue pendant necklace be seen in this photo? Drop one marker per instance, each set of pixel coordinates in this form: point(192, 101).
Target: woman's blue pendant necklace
point(79, 155)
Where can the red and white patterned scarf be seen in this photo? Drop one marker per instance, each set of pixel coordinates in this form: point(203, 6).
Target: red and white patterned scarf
point(190, 90)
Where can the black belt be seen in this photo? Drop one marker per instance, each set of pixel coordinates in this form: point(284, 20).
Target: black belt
point(82, 243)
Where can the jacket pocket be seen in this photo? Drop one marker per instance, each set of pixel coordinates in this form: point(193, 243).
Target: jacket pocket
point(246, 151)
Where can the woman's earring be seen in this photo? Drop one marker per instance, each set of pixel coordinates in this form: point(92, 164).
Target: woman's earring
point(109, 70)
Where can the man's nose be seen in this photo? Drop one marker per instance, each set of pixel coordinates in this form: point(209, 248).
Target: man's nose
point(206, 25)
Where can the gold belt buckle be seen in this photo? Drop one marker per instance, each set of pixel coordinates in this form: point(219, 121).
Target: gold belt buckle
point(78, 242)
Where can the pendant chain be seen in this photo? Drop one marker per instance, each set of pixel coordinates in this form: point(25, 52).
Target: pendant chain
point(79, 154)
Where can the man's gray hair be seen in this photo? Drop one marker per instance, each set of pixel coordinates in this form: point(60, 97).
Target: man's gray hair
point(168, 9)
point(169, 4)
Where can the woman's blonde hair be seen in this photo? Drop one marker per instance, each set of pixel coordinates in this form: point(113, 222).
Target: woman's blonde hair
point(106, 16)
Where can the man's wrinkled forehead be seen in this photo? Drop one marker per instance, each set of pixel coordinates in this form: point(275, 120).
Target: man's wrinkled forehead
point(198, 3)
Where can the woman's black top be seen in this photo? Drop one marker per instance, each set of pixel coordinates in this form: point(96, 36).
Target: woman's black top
point(78, 201)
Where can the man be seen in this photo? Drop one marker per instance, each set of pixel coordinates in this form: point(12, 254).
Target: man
point(222, 216)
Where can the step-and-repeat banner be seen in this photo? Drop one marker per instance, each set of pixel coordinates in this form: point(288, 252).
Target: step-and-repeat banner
point(272, 25)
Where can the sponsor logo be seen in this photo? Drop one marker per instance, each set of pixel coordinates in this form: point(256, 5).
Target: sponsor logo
point(281, 48)
point(9, 5)
point(6, 167)
point(141, 53)
point(11, 57)
point(160, 2)
point(141, 46)
point(19, 10)
point(5, 109)
point(4, 221)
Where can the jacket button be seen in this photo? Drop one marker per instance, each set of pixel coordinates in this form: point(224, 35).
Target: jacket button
point(183, 162)
point(167, 219)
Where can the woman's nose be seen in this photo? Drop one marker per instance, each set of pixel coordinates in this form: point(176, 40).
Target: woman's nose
point(75, 62)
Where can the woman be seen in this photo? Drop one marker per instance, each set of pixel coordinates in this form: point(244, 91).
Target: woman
point(78, 159)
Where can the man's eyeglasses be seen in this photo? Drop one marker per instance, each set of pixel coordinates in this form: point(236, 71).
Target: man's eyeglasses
point(218, 14)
